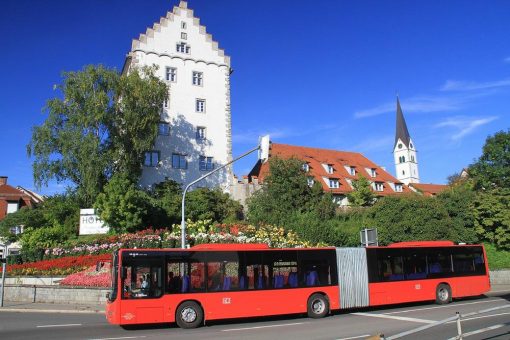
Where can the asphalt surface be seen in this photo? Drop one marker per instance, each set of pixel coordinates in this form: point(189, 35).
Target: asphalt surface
point(76, 323)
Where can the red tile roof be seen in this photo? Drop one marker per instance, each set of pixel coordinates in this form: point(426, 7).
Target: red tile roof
point(315, 158)
point(429, 189)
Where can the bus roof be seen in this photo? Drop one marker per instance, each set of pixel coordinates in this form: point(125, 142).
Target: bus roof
point(230, 246)
point(421, 244)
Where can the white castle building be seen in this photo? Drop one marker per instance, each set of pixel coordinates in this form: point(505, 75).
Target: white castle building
point(195, 129)
point(404, 152)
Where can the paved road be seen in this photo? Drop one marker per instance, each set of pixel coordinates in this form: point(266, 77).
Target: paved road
point(343, 325)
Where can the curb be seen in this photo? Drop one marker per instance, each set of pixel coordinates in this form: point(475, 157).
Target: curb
point(58, 311)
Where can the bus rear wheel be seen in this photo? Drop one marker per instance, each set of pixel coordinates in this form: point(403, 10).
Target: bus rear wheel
point(189, 315)
point(443, 294)
point(318, 306)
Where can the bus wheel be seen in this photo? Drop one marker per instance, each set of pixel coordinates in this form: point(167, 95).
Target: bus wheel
point(443, 294)
point(318, 306)
point(189, 315)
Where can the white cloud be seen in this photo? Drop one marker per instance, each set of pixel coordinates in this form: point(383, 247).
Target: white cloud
point(416, 104)
point(382, 143)
point(455, 85)
point(464, 125)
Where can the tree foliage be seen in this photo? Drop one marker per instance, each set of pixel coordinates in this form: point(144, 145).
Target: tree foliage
point(492, 170)
point(102, 124)
point(286, 191)
point(362, 194)
point(491, 211)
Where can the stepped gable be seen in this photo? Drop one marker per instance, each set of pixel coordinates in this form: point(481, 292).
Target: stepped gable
point(316, 157)
point(153, 40)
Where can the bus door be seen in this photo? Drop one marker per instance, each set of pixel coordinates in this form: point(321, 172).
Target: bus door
point(142, 288)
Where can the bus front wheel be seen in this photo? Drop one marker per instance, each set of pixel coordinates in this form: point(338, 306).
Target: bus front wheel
point(318, 306)
point(443, 294)
point(189, 315)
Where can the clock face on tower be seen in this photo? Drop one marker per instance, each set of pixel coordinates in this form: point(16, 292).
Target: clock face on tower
point(400, 145)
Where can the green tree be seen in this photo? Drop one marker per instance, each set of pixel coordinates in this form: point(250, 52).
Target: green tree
point(491, 211)
point(362, 194)
point(492, 170)
point(285, 190)
point(123, 206)
point(409, 218)
point(26, 217)
point(212, 204)
point(102, 124)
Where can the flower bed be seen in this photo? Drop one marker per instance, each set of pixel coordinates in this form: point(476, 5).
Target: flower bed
point(61, 266)
point(90, 277)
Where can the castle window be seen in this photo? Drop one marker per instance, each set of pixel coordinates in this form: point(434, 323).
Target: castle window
point(412, 158)
point(206, 163)
point(163, 129)
point(165, 103)
point(403, 172)
point(200, 133)
point(402, 159)
point(182, 47)
point(198, 78)
point(151, 158)
point(183, 25)
point(171, 74)
point(200, 105)
point(179, 161)
point(184, 36)
point(333, 183)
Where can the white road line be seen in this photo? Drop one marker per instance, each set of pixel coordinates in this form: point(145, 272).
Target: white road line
point(65, 325)
point(258, 327)
point(355, 337)
point(123, 337)
point(401, 318)
point(479, 331)
point(480, 317)
point(445, 306)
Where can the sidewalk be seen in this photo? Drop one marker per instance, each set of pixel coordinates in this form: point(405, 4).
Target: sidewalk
point(27, 307)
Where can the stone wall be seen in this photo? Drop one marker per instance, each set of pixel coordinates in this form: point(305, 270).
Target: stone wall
point(55, 294)
point(500, 277)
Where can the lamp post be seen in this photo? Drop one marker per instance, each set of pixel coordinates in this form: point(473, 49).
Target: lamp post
point(4, 267)
point(264, 149)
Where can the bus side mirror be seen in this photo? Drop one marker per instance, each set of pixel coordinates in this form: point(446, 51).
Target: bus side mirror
point(123, 273)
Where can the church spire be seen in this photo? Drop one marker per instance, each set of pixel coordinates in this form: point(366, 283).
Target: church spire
point(401, 131)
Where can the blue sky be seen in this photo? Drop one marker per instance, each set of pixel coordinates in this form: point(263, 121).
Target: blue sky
point(315, 73)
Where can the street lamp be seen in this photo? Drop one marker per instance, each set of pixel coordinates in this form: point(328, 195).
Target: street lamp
point(263, 147)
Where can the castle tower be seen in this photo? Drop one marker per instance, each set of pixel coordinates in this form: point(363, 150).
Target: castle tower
point(404, 152)
point(195, 129)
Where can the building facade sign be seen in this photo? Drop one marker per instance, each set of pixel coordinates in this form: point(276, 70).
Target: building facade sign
point(91, 224)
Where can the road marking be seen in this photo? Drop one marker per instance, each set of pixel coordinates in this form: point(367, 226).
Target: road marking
point(479, 317)
point(64, 325)
point(444, 306)
point(123, 337)
point(401, 318)
point(258, 327)
point(355, 337)
point(478, 331)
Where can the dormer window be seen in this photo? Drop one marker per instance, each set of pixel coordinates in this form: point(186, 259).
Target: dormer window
point(379, 186)
point(182, 47)
point(310, 181)
point(352, 170)
point(330, 169)
point(333, 183)
point(398, 187)
point(306, 167)
point(373, 173)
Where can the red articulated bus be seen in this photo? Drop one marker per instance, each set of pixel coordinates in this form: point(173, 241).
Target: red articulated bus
point(224, 281)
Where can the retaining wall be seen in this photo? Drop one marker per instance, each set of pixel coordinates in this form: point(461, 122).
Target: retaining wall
point(500, 277)
point(55, 294)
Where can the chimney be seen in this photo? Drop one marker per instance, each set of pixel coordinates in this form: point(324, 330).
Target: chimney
point(3, 180)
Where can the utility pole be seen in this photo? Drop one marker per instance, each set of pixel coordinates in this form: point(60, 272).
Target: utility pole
point(263, 147)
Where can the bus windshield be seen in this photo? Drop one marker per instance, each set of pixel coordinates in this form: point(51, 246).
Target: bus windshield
point(114, 271)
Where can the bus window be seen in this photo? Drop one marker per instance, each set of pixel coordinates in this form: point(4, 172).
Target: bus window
point(439, 263)
point(253, 272)
point(415, 266)
point(390, 265)
point(315, 268)
point(185, 277)
point(284, 269)
point(141, 281)
point(468, 261)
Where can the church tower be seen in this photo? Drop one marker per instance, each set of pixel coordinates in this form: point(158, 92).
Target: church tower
point(194, 133)
point(404, 151)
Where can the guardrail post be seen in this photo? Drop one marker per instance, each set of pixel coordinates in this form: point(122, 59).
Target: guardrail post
point(459, 327)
